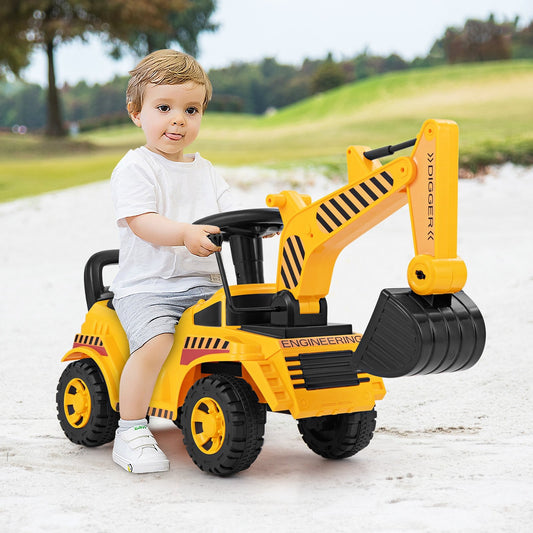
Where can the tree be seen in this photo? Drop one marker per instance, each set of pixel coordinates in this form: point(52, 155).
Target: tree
point(23, 105)
point(522, 44)
point(327, 76)
point(48, 23)
point(183, 27)
point(14, 47)
point(478, 41)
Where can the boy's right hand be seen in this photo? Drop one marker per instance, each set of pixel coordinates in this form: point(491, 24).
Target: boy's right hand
point(159, 230)
point(196, 241)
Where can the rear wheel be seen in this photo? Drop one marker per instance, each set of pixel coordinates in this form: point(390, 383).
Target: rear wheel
point(223, 424)
point(338, 436)
point(83, 406)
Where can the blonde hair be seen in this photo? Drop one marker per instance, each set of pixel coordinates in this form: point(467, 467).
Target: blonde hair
point(165, 67)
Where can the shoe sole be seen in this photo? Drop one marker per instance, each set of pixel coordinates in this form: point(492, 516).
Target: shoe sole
point(143, 468)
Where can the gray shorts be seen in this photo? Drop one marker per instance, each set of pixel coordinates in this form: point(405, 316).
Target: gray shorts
point(146, 315)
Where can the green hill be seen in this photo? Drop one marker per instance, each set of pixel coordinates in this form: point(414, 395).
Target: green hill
point(491, 102)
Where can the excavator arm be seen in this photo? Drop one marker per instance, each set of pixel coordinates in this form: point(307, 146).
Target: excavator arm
point(315, 233)
point(431, 327)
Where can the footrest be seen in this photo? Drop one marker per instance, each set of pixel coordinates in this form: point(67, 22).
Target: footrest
point(409, 334)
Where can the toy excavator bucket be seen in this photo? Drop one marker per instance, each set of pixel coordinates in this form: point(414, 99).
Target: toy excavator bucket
point(409, 334)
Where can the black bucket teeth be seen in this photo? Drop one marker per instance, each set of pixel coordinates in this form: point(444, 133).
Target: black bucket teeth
point(409, 334)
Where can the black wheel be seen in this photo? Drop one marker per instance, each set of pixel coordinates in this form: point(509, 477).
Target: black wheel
point(179, 419)
point(338, 436)
point(83, 406)
point(223, 424)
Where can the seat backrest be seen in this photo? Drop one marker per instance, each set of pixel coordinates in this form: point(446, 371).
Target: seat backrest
point(93, 276)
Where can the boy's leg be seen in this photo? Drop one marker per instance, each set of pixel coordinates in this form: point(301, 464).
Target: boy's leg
point(142, 315)
point(135, 448)
point(140, 374)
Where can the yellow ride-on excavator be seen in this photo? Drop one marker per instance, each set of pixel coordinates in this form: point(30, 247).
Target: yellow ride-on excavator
point(256, 346)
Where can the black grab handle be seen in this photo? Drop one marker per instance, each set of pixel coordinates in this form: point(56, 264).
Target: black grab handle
point(92, 275)
point(384, 151)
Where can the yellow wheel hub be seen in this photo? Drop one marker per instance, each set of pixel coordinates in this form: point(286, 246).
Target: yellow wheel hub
point(208, 426)
point(77, 403)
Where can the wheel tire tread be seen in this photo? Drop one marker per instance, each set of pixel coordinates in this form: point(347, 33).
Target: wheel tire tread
point(353, 432)
point(103, 420)
point(247, 418)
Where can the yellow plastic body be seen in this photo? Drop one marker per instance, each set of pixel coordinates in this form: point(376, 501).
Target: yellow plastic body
point(102, 339)
point(314, 233)
point(263, 362)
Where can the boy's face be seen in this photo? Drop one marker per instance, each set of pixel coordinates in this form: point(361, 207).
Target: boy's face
point(170, 118)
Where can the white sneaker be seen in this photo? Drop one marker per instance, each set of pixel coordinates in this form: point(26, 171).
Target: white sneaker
point(136, 451)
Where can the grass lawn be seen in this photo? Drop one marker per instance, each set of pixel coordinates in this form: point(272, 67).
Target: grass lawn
point(491, 102)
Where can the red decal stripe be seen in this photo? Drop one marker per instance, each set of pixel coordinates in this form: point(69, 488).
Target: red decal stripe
point(100, 349)
point(190, 354)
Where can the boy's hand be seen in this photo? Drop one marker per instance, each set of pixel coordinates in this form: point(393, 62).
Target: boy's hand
point(196, 241)
point(271, 235)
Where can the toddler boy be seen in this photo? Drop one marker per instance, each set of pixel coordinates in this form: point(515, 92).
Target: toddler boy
point(164, 267)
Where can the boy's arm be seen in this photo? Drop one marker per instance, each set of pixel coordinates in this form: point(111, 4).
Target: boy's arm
point(162, 231)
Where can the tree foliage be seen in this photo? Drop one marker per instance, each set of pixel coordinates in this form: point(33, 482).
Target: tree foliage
point(183, 26)
point(14, 47)
point(478, 40)
point(328, 75)
point(522, 42)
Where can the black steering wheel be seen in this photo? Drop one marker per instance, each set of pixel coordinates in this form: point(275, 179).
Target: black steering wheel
point(246, 222)
point(243, 229)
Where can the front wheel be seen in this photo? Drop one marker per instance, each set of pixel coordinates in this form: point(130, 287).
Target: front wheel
point(223, 424)
point(83, 406)
point(338, 436)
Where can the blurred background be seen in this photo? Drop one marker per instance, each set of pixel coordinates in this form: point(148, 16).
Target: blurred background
point(294, 82)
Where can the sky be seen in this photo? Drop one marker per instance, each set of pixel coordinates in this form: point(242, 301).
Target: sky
point(292, 30)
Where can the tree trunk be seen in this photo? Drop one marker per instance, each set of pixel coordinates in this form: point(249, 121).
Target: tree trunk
point(151, 46)
point(54, 125)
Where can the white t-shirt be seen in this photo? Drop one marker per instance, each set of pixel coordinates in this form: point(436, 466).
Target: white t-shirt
point(145, 182)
